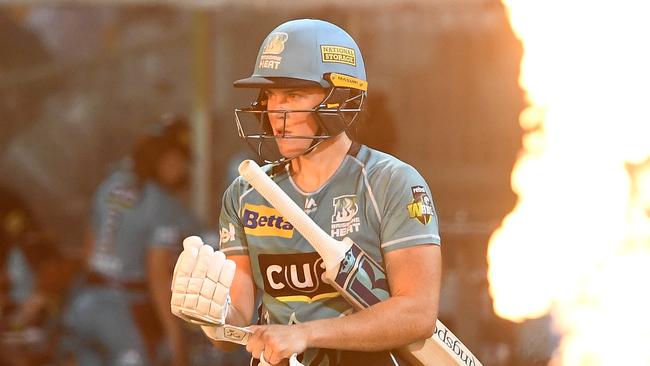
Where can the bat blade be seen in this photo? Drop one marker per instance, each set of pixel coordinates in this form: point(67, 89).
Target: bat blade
point(360, 279)
point(355, 275)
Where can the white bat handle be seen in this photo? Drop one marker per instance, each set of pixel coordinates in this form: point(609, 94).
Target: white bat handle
point(331, 250)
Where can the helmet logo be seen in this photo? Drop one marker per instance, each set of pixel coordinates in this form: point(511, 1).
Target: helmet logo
point(273, 47)
point(275, 43)
point(338, 54)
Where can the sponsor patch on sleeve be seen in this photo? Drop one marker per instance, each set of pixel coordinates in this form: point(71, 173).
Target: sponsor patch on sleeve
point(227, 234)
point(421, 208)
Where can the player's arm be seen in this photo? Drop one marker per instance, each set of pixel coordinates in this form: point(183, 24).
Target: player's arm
point(242, 297)
point(242, 293)
point(409, 315)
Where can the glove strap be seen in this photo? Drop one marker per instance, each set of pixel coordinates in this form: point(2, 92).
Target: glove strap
point(228, 333)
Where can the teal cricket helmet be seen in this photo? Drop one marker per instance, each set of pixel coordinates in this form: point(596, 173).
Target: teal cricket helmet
point(305, 53)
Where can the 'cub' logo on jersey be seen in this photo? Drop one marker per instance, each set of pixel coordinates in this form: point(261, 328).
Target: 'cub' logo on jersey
point(421, 207)
point(345, 220)
point(261, 220)
point(295, 277)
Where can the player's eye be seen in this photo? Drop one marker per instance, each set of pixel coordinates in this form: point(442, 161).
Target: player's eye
point(294, 95)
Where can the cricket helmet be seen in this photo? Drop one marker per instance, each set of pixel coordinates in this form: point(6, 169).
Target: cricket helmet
point(304, 53)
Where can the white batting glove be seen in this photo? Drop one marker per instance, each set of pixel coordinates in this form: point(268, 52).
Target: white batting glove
point(201, 283)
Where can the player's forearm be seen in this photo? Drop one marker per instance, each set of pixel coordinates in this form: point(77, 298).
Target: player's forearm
point(237, 317)
point(392, 323)
point(242, 294)
point(234, 317)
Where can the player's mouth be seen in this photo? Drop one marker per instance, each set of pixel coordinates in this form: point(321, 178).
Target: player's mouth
point(280, 133)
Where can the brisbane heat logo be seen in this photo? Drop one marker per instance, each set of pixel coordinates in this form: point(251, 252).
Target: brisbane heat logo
point(421, 207)
point(270, 58)
point(275, 43)
point(261, 220)
point(345, 219)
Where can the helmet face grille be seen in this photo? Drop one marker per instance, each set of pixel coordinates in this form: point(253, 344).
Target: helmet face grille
point(334, 115)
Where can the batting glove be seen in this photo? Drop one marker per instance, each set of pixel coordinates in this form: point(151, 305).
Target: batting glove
point(201, 284)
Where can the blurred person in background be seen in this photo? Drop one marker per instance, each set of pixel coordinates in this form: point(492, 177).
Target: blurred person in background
point(34, 275)
point(137, 222)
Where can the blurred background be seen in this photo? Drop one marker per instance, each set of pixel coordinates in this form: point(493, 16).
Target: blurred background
point(82, 81)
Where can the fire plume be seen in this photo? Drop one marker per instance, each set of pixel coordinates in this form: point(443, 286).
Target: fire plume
point(577, 244)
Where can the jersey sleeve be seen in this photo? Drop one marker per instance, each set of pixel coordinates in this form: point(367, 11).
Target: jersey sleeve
point(409, 216)
point(232, 240)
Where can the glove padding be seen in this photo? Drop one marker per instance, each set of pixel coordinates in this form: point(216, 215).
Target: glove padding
point(201, 283)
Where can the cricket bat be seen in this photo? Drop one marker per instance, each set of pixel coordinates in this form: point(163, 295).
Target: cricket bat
point(355, 275)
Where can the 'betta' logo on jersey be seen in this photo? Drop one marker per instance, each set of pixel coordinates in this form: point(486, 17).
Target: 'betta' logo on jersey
point(345, 219)
point(295, 277)
point(421, 207)
point(261, 220)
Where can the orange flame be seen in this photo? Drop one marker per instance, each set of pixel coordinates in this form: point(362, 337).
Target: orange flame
point(577, 244)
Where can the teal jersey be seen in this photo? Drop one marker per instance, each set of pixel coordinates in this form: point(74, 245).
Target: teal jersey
point(376, 200)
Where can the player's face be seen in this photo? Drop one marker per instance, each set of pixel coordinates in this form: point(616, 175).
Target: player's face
point(297, 123)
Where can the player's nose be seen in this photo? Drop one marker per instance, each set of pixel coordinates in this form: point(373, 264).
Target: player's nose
point(278, 119)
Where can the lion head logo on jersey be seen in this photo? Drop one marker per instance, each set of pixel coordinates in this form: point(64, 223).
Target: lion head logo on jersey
point(345, 208)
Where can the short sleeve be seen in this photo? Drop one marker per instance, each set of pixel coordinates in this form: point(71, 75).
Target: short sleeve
point(232, 240)
point(409, 216)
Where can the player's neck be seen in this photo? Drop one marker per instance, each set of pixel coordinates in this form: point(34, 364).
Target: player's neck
point(311, 171)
